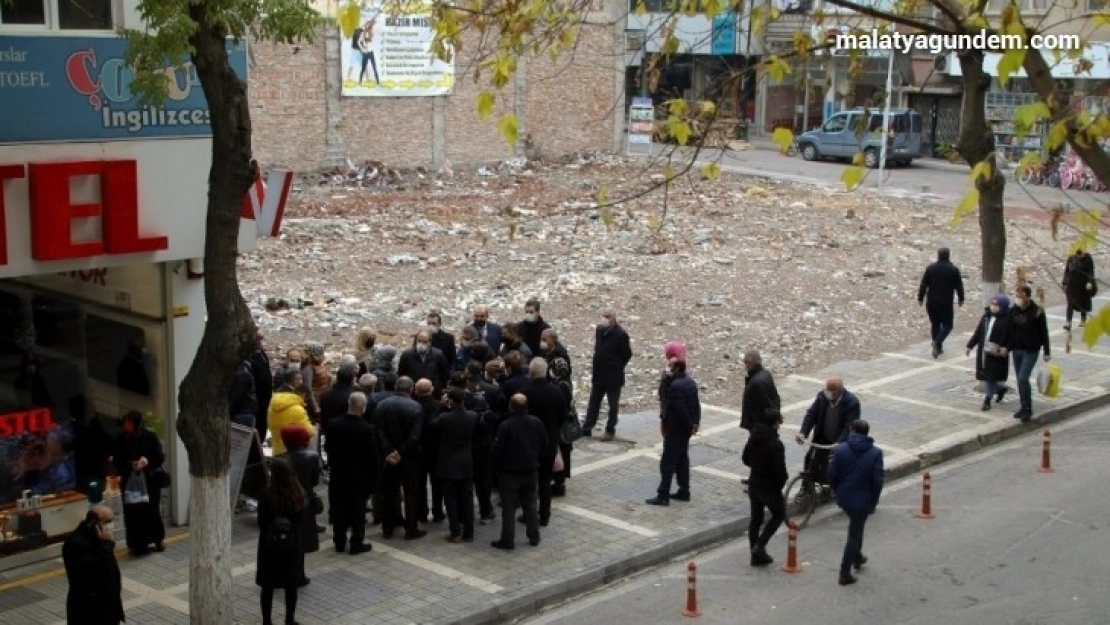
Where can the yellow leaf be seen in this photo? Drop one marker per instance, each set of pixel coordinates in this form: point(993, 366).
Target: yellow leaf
point(782, 137)
point(485, 105)
point(710, 171)
point(776, 68)
point(1057, 135)
point(669, 174)
point(976, 21)
point(1010, 64)
point(508, 129)
point(348, 19)
point(678, 130)
point(602, 195)
point(607, 218)
point(967, 206)
point(1031, 159)
point(981, 171)
point(671, 45)
point(641, 8)
point(1027, 115)
point(858, 159)
point(1094, 329)
point(711, 8)
point(1101, 19)
point(707, 107)
point(512, 232)
point(852, 177)
point(654, 225)
point(676, 107)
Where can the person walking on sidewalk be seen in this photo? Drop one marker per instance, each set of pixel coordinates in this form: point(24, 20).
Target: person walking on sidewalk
point(765, 455)
point(856, 476)
point(612, 351)
point(1026, 336)
point(760, 393)
point(95, 583)
point(992, 366)
point(679, 419)
point(1079, 286)
point(942, 281)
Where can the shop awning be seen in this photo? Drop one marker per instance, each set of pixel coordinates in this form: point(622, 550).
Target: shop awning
point(1097, 52)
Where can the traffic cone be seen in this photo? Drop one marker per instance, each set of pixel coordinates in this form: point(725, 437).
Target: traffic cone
point(792, 565)
point(691, 608)
point(926, 511)
point(1046, 453)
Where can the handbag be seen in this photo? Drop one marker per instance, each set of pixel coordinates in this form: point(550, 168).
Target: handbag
point(136, 491)
point(160, 478)
point(571, 428)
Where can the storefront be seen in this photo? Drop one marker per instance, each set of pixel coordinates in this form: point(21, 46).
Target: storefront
point(102, 212)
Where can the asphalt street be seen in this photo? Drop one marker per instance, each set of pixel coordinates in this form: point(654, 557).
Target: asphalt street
point(1008, 546)
point(927, 180)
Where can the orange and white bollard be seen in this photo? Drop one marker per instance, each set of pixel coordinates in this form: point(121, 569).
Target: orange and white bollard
point(792, 565)
point(691, 608)
point(1046, 453)
point(926, 511)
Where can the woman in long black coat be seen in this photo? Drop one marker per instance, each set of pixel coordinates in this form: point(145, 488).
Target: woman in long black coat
point(283, 498)
point(992, 366)
point(306, 464)
point(1079, 286)
point(138, 450)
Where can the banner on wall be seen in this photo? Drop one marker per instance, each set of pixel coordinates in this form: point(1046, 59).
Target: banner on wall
point(387, 53)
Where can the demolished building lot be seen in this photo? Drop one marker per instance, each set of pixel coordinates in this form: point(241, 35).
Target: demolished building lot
point(807, 275)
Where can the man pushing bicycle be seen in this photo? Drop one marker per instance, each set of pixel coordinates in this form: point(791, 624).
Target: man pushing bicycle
point(828, 418)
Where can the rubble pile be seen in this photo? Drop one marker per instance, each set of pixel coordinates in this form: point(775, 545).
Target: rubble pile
point(808, 275)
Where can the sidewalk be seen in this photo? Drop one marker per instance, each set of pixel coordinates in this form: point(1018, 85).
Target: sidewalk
point(922, 411)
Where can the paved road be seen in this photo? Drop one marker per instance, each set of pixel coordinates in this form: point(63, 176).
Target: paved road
point(927, 180)
point(1008, 545)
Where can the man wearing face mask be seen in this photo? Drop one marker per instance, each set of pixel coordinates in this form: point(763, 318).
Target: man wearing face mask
point(1026, 335)
point(442, 340)
point(531, 329)
point(424, 361)
point(612, 352)
point(95, 583)
point(488, 331)
point(551, 349)
point(828, 418)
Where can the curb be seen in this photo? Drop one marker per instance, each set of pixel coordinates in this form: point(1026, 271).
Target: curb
point(929, 455)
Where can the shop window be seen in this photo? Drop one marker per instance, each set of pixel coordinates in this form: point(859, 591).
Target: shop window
point(118, 355)
point(85, 14)
point(23, 12)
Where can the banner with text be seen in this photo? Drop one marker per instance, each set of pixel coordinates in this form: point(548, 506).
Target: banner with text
point(387, 53)
point(78, 89)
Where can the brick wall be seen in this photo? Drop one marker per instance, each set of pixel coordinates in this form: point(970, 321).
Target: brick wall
point(568, 107)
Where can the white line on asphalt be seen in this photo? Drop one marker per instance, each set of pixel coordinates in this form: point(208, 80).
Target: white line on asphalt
point(607, 520)
point(438, 569)
point(806, 378)
point(145, 594)
point(1083, 351)
point(897, 376)
point(925, 404)
point(728, 475)
point(611, 460)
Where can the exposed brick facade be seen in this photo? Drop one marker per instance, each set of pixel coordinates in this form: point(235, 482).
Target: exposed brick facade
point(567, 107)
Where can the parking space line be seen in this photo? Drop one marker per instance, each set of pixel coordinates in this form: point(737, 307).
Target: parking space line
point(806, 378)
point(925, 404)
point(728, 475)
point(438, 569)
point(611, 460)
point(606, 520)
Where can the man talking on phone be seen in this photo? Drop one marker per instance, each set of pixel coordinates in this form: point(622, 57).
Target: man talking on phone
point(95, 583)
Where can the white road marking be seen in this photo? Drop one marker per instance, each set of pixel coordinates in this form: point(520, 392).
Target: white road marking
point(606, 520)
point(925, 404)
point(1083, 351)
point(611, 460)
point(806, 378)
point(146, 594)
point(728, 475)
point(438, 569)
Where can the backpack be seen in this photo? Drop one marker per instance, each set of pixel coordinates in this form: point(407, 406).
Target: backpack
point(282, 536)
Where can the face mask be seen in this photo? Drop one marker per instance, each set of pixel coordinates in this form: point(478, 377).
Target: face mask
point(479, 324)
point(604, 322)
point(995, 308)
point(829, 395)
point(422, 348)
point(530, 318)
point(433, 329)
point(543, 345)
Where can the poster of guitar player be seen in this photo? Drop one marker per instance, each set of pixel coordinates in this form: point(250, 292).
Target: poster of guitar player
point(386, 51)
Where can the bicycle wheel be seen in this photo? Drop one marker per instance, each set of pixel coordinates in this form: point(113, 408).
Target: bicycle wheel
point(799, 503)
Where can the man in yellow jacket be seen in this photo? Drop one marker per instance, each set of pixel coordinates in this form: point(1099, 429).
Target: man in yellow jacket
point(287, 408)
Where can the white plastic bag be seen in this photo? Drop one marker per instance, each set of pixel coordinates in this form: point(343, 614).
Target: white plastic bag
point(558, 466)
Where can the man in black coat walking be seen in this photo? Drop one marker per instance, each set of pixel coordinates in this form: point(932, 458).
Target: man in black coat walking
point(765, 455)
point(95, 583)
point(680, 420)
point(549, 403)
point(760, 393)
point(457, 429)
point(612, 351)
point(517, 453)
point(350, 447)
point(399, 422)
point(940, 283)
point(263, 385)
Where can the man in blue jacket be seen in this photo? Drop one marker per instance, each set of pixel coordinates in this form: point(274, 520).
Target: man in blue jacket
point(856, 475)
point(828, 418)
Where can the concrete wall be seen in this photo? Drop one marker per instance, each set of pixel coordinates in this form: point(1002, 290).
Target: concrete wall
point(300, 121)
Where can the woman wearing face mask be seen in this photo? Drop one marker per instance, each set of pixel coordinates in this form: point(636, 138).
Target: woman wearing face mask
point(138, 452)
point(992, 365)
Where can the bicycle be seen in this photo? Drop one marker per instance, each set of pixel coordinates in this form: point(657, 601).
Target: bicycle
point(804, 493)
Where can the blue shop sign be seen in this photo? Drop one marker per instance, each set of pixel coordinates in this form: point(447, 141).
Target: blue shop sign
point(724, 34)
point(55, 89)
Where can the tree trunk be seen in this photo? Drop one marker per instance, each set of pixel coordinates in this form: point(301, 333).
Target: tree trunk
point(977, 145)
point(1040, 77)
point(203, 421)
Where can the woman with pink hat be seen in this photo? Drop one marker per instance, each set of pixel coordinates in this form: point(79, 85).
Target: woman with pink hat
point(679, 419)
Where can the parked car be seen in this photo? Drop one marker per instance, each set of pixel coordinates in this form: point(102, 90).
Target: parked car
point(847, 133)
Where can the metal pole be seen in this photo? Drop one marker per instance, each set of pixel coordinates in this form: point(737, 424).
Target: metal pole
point(886, 112)
point(805, 100)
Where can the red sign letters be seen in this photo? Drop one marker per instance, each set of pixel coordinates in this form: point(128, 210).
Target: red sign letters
point(53, 211)
point(18, 423)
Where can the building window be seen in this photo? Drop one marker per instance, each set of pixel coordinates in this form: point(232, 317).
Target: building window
point(23, 12)
point(70, 14)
